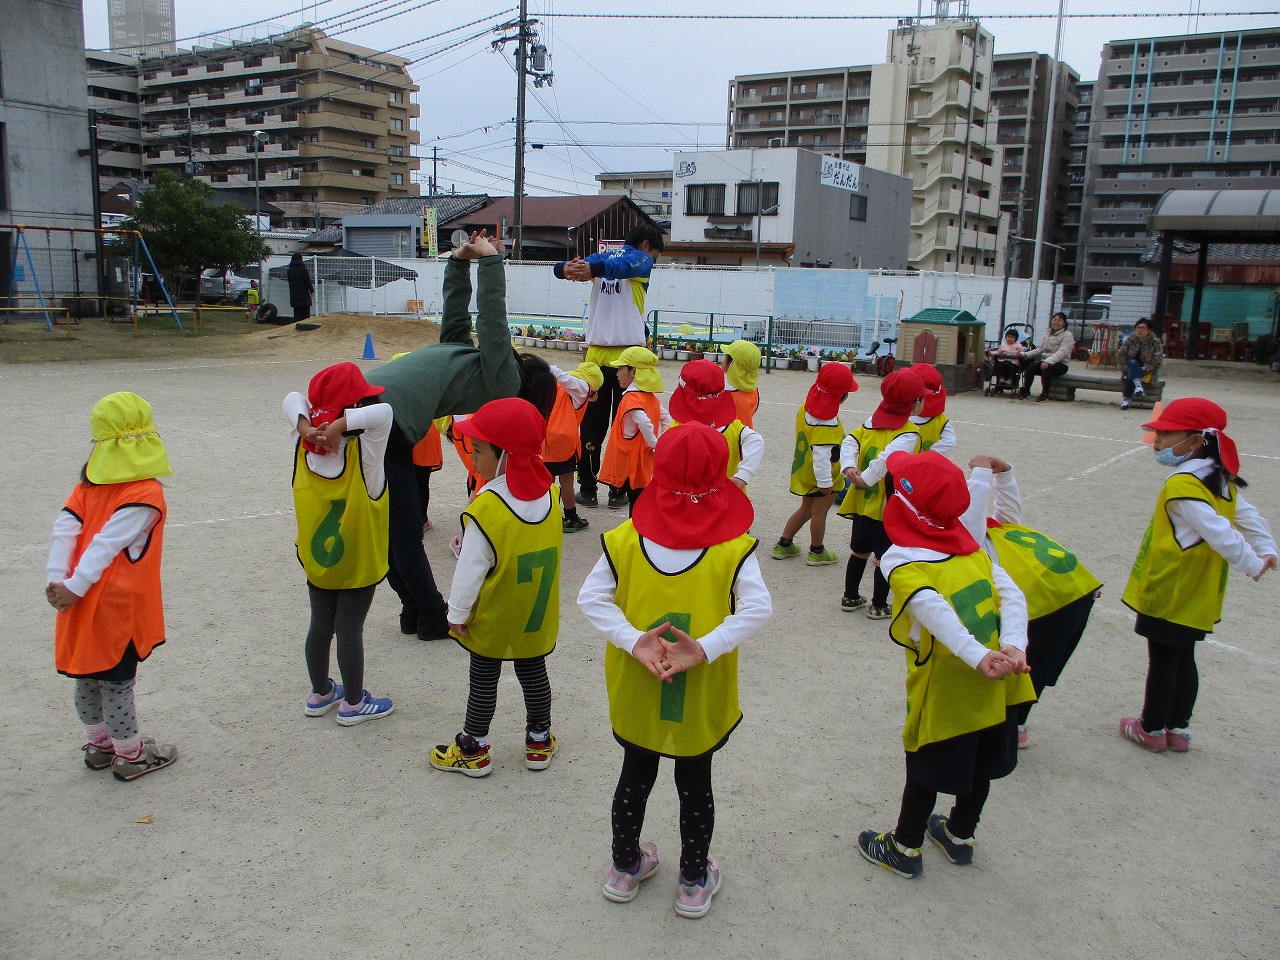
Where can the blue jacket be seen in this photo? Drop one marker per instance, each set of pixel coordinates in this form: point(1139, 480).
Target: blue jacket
point(623, 264)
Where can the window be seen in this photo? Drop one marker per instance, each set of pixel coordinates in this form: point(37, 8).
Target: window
point(366, 115)
point(775, 90)
point(395, 96)
point(748, 201)
point(397, 123)
point(397, 150)
point(4, 173)
point(799, 88)
point(253, 87)
point(397, 179)
point(857, 207)
point(826, 88)
point(704, 199)
point(367, 144)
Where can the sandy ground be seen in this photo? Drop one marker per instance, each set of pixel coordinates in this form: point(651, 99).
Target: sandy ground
point(280, 836)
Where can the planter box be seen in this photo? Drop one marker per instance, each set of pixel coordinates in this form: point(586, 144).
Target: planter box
point(812, 363)
point(667, 353)
point(682, 355)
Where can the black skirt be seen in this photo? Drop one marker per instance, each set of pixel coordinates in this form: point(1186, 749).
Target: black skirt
point(952, 766)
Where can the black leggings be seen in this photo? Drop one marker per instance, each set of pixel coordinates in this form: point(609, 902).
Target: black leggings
point(697, 810)
point(867, 536)
point(1172, 685)
point(1046, 375)
point(482, 698)
point(343, 612)
point(409, 574)
point(918, 802)
point(595, 427)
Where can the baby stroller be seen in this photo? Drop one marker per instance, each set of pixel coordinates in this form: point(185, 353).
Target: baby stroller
point(1002, 375)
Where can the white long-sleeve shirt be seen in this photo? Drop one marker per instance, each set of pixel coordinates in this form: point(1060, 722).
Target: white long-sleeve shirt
point(637, 421)
point(1242, 544)
point(821, 453)
point(930, 610)
point(129, 528)
point(752, 444)
point(946, 440)
point(374, 420)
point(577, 388)
point(476, 558)
point(752, 609)
point(877, 468)
point(1008, 505)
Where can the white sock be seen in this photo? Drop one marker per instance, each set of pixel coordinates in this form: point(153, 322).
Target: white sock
point(99, 735)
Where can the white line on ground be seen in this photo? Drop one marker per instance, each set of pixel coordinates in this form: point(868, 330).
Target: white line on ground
point(1090, 470)
point(192, 366)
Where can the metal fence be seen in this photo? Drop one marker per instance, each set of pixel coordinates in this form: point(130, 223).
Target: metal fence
point(829, 309)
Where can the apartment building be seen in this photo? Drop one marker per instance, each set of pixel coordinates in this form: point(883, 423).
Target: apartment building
point(1021, 87)
point(1196, 112)
point(322, 127)
point(923, 114)
point(1077, 171)
point(787, 207)
point(141, 28)
point(650, 190)
point(115, 106)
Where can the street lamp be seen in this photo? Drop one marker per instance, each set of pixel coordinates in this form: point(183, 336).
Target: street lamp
point(1035, 279)
point(761, 211)
point(260, 137)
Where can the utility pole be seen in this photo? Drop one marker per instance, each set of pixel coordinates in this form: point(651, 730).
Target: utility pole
point(524, 33)
point(435, 161)
point(522, 62)
point(1049, 164)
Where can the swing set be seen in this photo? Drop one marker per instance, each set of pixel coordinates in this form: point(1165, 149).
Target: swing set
point(46, 294)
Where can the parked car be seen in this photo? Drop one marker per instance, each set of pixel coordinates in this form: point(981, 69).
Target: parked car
point(217, 286)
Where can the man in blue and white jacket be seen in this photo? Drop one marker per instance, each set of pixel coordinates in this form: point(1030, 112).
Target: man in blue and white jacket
point(615, 320)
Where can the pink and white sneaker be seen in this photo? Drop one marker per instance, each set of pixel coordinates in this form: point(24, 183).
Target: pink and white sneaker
point(1131, 729)
point(694, 901)
point(622, 887)
point(1179, 739)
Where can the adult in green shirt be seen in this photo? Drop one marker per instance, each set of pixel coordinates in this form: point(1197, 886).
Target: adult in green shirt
point(442, 379)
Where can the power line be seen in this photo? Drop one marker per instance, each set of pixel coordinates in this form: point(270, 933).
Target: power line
point(882, 17)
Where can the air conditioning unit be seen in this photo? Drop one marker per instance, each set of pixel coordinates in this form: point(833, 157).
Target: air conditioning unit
point(775, 141)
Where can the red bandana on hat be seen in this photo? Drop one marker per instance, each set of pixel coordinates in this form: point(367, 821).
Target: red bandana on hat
point(515, 426)
point(700, 396)
point(691, 503)
point(899, 392)
point(834, 381)
point(935, 394)
point(332, 392)
point(929, 496)
point(1196, 413)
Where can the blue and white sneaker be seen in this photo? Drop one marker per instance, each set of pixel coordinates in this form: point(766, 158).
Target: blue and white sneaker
point(369, 708)
point(318, 704)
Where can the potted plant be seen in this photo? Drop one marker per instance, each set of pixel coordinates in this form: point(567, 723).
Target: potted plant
point(666, 350)
point(683, 352)
point(812, 358)
point(695, 351)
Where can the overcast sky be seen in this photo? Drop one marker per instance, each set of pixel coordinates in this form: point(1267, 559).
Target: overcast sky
point(628, 93)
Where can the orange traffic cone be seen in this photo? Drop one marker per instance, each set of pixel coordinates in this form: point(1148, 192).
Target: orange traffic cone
point(1149, 436)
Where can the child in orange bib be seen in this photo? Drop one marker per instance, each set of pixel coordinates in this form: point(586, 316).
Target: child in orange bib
point(104, 580)
point(628, 458)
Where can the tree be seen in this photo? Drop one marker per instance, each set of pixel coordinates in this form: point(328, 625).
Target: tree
point(186, 232)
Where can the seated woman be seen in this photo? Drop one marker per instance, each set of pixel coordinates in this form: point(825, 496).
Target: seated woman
point(1049, 360)
point(1007, 358)
point(1139, 360)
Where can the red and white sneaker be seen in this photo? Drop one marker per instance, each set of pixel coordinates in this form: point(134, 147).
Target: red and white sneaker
point(1131, 729)
point(1179, 739)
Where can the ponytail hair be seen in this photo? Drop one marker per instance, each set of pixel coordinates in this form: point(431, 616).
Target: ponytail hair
point(1223, 478)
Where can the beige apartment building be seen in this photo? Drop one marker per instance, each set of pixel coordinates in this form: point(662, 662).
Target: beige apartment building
point(332, 122)
point(923, 114)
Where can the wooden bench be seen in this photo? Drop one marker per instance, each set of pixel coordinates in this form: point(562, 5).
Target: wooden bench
point(1065, 387)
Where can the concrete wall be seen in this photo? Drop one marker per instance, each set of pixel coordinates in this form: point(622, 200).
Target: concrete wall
point(43, 111)
point(823, 223)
